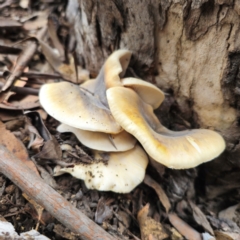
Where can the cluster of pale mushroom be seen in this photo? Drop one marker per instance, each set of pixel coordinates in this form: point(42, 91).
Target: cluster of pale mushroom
point(114, 117)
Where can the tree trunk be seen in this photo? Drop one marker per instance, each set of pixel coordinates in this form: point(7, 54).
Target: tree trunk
point(190, 49)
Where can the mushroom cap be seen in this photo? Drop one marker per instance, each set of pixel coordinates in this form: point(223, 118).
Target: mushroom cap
point(122, 173)
point(122, 141)
point(115, 67)
point(177, 150)
point(90, 85)
point(147, 92)
point(112, 71)
point(76, 107)
point(110, 74)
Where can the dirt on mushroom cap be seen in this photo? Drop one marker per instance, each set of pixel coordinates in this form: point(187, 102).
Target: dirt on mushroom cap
point(122, 173)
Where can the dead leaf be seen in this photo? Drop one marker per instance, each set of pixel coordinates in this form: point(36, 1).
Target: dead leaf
point(50, 151)
point(26, 102)
point(8, 140)
point(160, 192)
point(124, 221)
point(22, 90)
point(42, 114)
point(182, 227)
point(15, 124)
point(36, 141)
point(37, 122)
point(7, 115)
point(39, 209)
point(157, 166)
point(51, 56)
point(9, 50)
point(175, 235)
point(67, 71)
point(17, 84)
point(150, 229)
point(48, 178)
point(9, 23)
point(200, 218)
point(6, 3)
point(10, 189)
point(38, 21)
point(224, 225)
point(231, 213)
point(103, 212)
point(207, 236)
point(226, 235)
point(61, 231)
point(53, 25)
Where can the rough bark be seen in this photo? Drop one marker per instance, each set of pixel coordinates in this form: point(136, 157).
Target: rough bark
point(189, 48)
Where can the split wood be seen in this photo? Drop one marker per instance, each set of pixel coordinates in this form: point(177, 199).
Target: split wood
point(53, 202)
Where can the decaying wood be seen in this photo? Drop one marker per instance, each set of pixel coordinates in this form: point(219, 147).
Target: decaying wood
point(53, 202)
point(103, 26)
point(190, 49)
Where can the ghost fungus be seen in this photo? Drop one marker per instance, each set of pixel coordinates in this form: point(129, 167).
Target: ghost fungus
point(115, 67)
point(111, 73)
point(76, 107)
point(146, 91)
point(119, 142)
point(104, 107)
point(178, 150)
point(86, 109)
point(122, 172)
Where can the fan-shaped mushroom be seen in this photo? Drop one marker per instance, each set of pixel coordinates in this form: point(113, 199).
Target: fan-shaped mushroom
point(78, 108)
point(120, 142)
point(173, 149)
point(146, 91)
point(121, 173)
point(111, 73)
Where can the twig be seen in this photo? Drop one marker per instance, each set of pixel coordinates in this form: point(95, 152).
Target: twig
point(53, 202)
point(23, 90)
point(32, 74)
